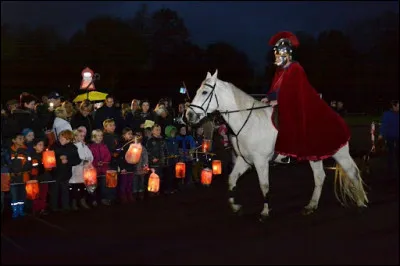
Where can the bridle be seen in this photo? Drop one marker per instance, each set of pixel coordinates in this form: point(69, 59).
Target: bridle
point(209, 99)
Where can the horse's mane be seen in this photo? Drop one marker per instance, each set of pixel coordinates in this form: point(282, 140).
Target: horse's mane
point(244, 100)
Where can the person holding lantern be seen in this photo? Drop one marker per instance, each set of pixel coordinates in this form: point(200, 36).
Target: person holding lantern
point(19, 171)
point(125, 179)
point(186, 145)
point(308, 128)
point(67, 156)
point(111, 140)
point(38, 172)
point(101, 161)
point(76, 181)
point(141, 169)
point(157, 152)
point(173, 154)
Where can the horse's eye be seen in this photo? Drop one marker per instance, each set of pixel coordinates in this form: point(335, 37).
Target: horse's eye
point(204, 92)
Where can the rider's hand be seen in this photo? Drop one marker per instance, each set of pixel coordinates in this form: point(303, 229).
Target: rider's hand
point(264, 100)
point(273, 103)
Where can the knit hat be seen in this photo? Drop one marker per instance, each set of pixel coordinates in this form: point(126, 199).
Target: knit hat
point(26, 131)
point(168, 130)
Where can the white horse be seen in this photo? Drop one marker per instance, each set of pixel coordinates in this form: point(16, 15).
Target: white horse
point(254, 142)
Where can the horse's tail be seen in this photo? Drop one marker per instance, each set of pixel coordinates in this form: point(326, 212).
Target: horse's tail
point(346, 190)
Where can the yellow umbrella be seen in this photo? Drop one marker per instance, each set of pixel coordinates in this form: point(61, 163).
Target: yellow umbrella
point(91, 96)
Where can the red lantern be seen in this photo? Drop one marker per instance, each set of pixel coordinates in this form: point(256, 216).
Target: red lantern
point(206, 176)
point(89, 175)
point(87, 79)
point(154, 183)
point(206, 145)
point(5, 182)
point(180, 170)
point(133, 154)
point(216, 167)
point(111, 178)
point(32, 189)
point(49, 159)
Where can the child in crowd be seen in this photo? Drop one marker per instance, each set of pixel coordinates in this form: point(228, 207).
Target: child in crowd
point(19, 171)
point(111, 140)
point(140, 171)
point(41, 174)
point(173, 154)
point(186, 147)
point(125, 180)
point(76, 181)
point(67, 156)
point(199, 159)
point(29, 136)
point(157, 152)
point(101, 161)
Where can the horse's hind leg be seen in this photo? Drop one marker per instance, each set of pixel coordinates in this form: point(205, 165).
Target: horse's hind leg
point(262, 168)
point(240, 167)
point(319, 178)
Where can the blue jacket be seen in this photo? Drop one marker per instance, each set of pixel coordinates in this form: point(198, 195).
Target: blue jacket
point(390, 125)
point(185, 144)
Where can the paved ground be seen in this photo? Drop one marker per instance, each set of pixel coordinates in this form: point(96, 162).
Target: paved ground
point(197, 227)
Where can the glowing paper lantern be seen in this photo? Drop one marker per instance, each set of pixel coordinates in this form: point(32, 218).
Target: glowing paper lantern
point(87, 79)
point(32, 189)
point(206, 145)
point(154, 183)
point(206, 176)
point(111, 178)
point(216, 167)
point(133, 154)
point(90, 178)
point(49, 159)
point(180, 170)
point(5, 182)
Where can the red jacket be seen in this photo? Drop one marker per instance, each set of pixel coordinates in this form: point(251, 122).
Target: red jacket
point(100, 154)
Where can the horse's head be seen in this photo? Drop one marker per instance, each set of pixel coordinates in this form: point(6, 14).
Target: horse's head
point(206, 101)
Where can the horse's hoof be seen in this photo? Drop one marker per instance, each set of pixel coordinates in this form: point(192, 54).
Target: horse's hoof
point(263, 218)
point(361, 209)
point(307, 211)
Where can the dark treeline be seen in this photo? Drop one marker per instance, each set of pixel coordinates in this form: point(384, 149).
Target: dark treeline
point(151, 54)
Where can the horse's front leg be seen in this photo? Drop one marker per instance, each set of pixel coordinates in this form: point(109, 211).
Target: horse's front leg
point(239, 168)
point(319, 178)
point(262, 167)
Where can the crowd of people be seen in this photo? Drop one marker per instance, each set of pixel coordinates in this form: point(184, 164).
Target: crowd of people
point(96, 134)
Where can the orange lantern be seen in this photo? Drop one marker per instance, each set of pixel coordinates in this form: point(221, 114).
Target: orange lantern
point(87, 79)
point(133, 154)
point(32, 189)
point(5, 182)
point(89, 175)
point(206, 176)
point(154, 183)
point(180, 170)
point(206, 145)
point(111, 178)
point(216, 167)
point(49, 159)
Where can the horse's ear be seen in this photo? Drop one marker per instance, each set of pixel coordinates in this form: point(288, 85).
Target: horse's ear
point(208, 75)
point(215, 74)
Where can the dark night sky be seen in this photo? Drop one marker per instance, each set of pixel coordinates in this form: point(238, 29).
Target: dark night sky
point(246, 25)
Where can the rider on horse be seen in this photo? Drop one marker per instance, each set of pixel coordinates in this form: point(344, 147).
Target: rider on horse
point(308, 128)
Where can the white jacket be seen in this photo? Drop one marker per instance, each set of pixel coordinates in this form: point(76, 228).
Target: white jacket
point(77, 170)
point(60, 125)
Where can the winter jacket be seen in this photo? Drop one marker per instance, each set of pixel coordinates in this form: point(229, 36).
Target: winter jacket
point(20, 164)
point(172, 149)
point(111, 140)
point(122, 163)
point(185, 144)
point(390, 125)
point(85, 156)
point(100, 154)
point(26, 118)
point(133, 121)
point(60, 125)
point(63, 172)
point(78, 120)
point(156, 148)
point(38, 172)
point(104, 113)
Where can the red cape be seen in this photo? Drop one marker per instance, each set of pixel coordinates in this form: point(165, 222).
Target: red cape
point(308, 128)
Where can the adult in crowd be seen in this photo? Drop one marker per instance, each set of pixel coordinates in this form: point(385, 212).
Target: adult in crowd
point(146, 113)
point(54, 101)
point(133, 118)
point(83, 118)
point(389, 131)
point(108, 111)
point(60, 122)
